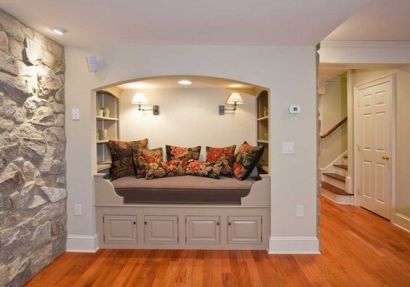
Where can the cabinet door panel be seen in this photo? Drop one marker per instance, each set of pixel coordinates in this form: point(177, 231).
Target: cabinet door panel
point(120, 229)
point(245, 229)
point(203, 230)
point(161, 229)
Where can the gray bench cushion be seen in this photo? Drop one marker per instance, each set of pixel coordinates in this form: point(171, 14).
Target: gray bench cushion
point(182, 189)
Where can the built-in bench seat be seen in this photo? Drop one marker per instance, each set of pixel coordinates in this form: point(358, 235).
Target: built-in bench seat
point(182, 190)
point(183, 213)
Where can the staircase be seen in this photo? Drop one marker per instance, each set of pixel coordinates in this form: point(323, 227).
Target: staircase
point(334, 180)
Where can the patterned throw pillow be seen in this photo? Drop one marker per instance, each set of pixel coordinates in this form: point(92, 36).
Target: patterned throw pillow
point(246, 159)
point(224, 155)
point(176, 167)
point(144, 157)
point(121, 157)
point(182, 153)
point(205, 169)
point(163, 169)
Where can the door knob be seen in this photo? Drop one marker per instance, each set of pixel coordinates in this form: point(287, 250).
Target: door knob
point(385, 157)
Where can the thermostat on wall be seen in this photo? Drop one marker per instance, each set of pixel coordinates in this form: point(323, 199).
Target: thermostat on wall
point(294, 109)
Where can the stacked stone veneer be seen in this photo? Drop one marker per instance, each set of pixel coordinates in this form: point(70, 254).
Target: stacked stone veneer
point(32, 152)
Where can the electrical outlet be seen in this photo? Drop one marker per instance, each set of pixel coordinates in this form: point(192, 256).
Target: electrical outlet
point(300, 210)
point(78, 210)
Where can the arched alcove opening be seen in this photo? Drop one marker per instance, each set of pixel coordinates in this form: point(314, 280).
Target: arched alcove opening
point(188, 114)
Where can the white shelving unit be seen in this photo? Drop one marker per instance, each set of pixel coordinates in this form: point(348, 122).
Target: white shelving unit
point(107, 122)
point(262, 112)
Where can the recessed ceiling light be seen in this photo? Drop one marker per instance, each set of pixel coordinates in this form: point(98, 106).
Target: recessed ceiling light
point(59, 31)
point(184, 82)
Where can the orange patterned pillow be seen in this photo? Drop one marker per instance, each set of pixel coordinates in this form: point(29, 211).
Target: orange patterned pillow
point(246, 159)
point(163, 169)
point(146, 156)
point(205, 169)
point(182, 153)
point(225, 155)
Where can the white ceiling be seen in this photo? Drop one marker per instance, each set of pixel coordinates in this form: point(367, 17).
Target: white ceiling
point(103, 23)
point(171, 82)
point(381, 20)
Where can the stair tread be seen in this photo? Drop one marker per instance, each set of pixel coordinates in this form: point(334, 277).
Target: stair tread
point(334, 189)
point(336, 176)
point(342, 166)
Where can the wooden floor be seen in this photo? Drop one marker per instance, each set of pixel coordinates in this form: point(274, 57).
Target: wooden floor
point(358, 249)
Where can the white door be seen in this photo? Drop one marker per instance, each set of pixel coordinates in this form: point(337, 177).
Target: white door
point(374, 134)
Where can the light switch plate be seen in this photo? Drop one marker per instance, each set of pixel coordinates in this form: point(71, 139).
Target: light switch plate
point(288, 147)
point(300, 210)
point(75, 114)
point(78, 209)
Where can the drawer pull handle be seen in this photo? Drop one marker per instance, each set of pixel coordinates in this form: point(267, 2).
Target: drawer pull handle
point(217, 223)
point(229, 223)
point(145, 223)
point(134, 223)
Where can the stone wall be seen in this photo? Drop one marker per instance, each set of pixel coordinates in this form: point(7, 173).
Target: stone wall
point(32, 152)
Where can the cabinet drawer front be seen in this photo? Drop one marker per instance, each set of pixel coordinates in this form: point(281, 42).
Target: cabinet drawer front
point(161, 229)
point(203, 230)
point(120, 229)
point(245, 229)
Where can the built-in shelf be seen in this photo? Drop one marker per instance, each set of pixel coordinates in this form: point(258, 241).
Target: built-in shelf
point(107, 127)
point(103, 166)
point(106, 119)
point(263, 118)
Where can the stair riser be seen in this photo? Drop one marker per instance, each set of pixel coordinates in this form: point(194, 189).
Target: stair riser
point(333, 169)
point(340, 171)
point(335, 182)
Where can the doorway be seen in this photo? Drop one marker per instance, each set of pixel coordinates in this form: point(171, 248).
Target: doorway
point(369, 159)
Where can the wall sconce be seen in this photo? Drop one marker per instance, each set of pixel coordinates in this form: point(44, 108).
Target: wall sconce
point(140, 99)
point(233, 100)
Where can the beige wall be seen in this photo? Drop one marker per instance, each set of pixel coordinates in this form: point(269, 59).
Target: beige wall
point(333, 108)
point(188, 117)
point(402, 196)
point(290, 73)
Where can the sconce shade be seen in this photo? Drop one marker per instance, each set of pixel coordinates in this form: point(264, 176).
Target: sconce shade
point(139, 99)
point(235, 99)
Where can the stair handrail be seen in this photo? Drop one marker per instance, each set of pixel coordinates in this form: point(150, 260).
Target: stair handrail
point(334, 128)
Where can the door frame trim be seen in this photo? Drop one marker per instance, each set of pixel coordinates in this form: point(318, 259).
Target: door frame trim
point(392, 77)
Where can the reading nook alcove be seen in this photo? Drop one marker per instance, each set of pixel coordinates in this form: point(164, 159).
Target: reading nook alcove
point(182, 163)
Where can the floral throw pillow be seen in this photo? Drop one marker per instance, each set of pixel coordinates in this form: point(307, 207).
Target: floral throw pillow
point(224, 155)
point(182, 153)
point(246, 159)
point(176, 167)
point(205, 169)
point(163, 169)
point(121, 157)
point(144, 157)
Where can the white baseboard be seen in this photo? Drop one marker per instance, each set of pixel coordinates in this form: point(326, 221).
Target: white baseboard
point(401, 221)
point(294, 245)
point(82, 243)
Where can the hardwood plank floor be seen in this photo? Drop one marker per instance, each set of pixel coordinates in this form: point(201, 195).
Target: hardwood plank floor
point(358, 249)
